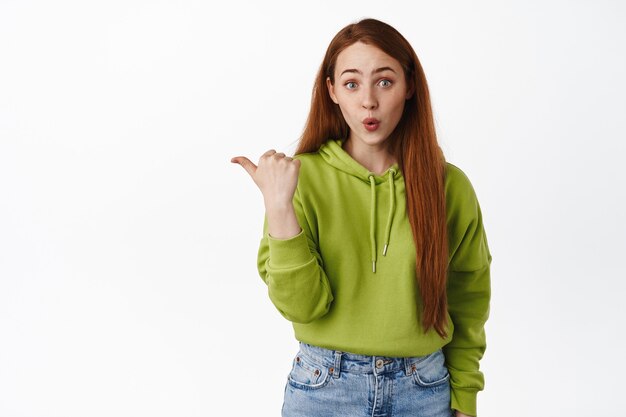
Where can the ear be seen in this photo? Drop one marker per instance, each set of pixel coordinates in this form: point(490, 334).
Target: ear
point(331, 90)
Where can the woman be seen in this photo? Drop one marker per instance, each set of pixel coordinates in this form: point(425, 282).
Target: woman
point(373, 245)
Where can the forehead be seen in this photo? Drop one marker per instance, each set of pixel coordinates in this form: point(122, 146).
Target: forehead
point(364, 58)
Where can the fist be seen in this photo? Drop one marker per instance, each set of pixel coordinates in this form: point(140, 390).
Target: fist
point(276, 176)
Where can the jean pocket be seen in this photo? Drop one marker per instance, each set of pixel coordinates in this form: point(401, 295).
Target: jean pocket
point(306, 374)
point(432, 371)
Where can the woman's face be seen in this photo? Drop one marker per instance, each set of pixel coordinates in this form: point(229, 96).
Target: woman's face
point(369, 84)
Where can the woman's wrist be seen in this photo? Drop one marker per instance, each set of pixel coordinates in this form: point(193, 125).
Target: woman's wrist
point(282, 222)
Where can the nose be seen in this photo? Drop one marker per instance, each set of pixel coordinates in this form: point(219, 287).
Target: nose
point(369, 99)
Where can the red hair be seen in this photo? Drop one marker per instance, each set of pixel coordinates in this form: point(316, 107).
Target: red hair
point(414, 145)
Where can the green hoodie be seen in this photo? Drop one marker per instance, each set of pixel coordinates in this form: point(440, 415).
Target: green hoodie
point(348, 282)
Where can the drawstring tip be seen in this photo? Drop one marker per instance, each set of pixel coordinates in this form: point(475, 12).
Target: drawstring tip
point(385, 250)
point(374, 266)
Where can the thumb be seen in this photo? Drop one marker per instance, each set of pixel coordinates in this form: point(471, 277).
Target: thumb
point(245, 163)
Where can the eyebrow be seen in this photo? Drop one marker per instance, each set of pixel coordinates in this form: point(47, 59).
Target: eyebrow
point(381, 69)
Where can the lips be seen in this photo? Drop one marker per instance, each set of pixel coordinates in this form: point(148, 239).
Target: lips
point(371, 124)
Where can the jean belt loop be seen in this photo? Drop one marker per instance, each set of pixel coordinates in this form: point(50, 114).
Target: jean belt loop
point(337, 366)
point(408, 367)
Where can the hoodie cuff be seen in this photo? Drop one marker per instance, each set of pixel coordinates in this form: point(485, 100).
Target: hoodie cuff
point(289, 253)
point(464, 400)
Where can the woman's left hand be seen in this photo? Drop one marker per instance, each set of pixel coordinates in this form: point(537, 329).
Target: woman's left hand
point(460, 414)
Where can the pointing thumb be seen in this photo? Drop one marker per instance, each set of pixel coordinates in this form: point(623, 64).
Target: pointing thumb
point(245, 163)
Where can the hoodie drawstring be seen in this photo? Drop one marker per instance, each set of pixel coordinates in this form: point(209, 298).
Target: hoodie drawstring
point(392, 209)
point(373, 221)
point(392, 204)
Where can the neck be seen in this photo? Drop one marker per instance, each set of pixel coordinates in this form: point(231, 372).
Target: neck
point(376, 159)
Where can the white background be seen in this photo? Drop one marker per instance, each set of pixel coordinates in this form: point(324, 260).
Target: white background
point(128, 281)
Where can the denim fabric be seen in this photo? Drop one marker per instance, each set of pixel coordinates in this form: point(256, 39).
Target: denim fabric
point(329, 383)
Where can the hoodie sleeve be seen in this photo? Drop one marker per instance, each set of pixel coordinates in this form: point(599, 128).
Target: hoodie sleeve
point(293, 271)
point(469, 293)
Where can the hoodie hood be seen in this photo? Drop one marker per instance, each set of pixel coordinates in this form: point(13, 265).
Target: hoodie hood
point(333, 153)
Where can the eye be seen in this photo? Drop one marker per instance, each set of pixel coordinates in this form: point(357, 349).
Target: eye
point(348, 85)
point(387, 81)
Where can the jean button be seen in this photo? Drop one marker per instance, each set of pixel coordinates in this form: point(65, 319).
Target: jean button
point(379, 363)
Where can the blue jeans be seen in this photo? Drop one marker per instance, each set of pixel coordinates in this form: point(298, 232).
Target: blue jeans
point(328, 383)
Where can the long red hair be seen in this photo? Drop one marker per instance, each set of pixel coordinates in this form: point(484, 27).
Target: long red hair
point(414, 145)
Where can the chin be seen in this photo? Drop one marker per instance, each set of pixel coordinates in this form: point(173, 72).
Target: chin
point(376, 139)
